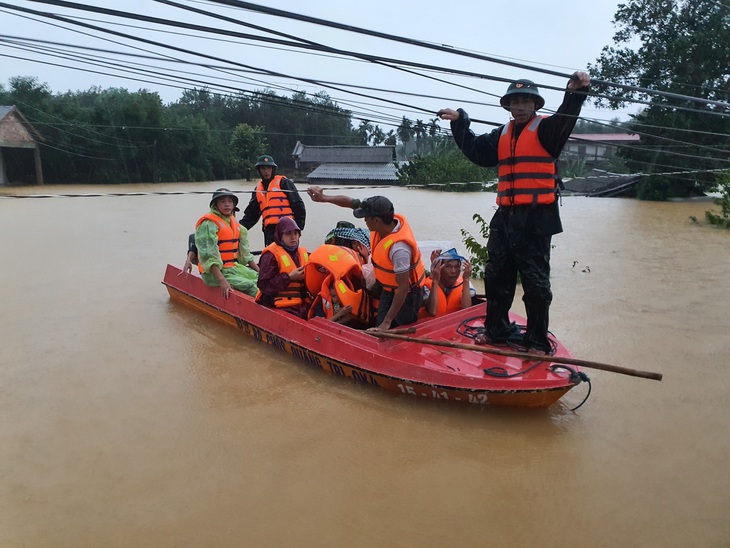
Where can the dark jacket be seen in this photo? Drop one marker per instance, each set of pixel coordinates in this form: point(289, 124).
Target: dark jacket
point(553, 133)
point(252, 213)
point(271, 281)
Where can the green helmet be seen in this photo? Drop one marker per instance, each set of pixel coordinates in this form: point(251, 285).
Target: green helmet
point(220, 193)
point(522, 87)
point(265, 160)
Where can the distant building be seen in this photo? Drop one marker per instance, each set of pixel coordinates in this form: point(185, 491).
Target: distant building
point(353, 164)
point(596, 147)
point(20, 157)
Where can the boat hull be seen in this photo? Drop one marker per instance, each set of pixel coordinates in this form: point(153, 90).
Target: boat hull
point(405, 368)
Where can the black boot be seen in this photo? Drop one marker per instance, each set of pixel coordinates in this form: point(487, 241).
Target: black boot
point(497, 326)
point(538, 318)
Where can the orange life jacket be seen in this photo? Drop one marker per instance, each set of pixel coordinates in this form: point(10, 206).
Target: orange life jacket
point(526, 169)
point(334, 276)
point(382, 264)
point(228, 237)
point(273, 203)
point(445, 304)
point(294, 294)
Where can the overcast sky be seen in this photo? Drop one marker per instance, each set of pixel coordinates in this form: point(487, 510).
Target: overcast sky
point(562, 36)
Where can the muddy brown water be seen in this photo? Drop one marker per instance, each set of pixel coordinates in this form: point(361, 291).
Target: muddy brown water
point(128, 420)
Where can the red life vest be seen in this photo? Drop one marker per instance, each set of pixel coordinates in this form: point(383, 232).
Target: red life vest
point(526, 169)
point(294, 293)
point(382, 264)
point(228, 237)
point(445, 304)
point(273, 203)
point(334, 276)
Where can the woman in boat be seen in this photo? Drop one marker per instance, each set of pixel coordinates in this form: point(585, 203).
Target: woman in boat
point(447, 289)
point(224, 258)
point(281, 271)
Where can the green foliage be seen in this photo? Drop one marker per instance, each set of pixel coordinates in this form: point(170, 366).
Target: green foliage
point(447, 169)
point(660, 188)
point(118, 136)
point(573, 167)
point(246, 145)
point(405, 130)
point(478, 253)
point(676, 46)
point(722, 220)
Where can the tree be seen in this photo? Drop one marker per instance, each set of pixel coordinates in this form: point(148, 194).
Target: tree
point(364, 130)
point(723, 219)
point(247, 144)
point(680, 47)
point(118, 136)
point(405, 130)
point(391, 138)
point(27, 90)
point(450, 170)
point(421, 131)
point(377, 136)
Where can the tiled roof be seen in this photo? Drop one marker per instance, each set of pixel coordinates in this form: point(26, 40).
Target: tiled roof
point(355, 171)
point(601, 183)
point(4, 111)
point(605, 137)
point(347, 154)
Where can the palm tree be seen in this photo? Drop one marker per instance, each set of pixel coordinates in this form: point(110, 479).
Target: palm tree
point(377, 136)
point(420, 130)
point(405, 130)
point(364, 130)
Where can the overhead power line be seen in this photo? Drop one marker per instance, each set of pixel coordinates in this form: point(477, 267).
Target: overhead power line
point(447, 49)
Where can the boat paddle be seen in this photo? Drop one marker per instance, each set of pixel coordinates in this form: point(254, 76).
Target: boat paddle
point(524, 355)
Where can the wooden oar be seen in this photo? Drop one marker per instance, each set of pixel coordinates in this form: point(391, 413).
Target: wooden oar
point(524, 355)
point(401, 330)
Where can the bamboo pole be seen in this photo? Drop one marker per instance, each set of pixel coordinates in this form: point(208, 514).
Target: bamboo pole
point(524, 355)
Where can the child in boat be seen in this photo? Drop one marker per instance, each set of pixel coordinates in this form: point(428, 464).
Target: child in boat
point(281, 271)
point(447, 288)
point(224, 258)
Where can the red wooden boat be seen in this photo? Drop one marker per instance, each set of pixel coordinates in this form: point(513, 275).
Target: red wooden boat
point(405, 367)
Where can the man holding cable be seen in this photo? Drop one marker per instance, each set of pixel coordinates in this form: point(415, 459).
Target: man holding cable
point(525, 151)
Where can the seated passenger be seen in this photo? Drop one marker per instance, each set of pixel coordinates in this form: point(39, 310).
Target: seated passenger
point(334, 276)
point(191, 258)
point(357, 239)
point(281, 271)
point(333, 238)
point(222, 248)
point(448, 290)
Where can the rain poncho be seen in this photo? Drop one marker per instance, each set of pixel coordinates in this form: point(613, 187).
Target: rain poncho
point(241, 277)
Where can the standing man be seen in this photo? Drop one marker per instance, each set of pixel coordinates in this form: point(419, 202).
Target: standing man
point(275, 197)
point(520, 232)
point(395, 256)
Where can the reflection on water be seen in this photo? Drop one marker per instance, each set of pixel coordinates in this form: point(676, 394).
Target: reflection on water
point(130, 420)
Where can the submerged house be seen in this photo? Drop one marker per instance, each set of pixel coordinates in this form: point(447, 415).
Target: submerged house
point(20, 156)
point(364, 165)
point(596, 148)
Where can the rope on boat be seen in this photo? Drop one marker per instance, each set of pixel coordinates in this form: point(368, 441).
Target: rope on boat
point(473, 327)
point(576, 377)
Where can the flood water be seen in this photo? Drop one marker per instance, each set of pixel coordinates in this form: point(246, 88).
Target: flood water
point(128, 420)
